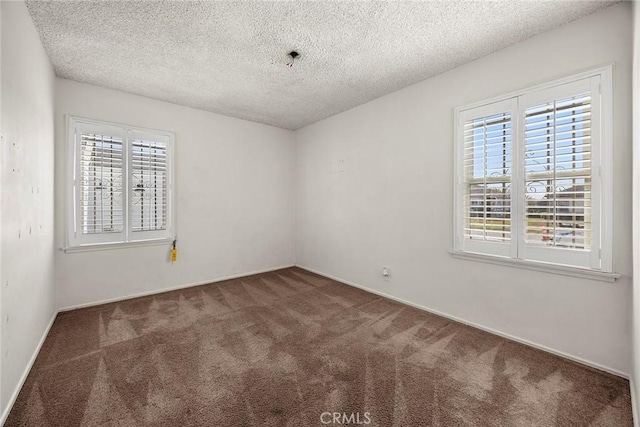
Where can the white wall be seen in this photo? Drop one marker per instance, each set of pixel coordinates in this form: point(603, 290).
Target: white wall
point(234, 183)
point(392, 204)
point(636, 212)
point(2, 407)
point(27, 275)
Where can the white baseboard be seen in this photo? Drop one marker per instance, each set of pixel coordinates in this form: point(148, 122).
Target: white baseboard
point(173, 288)
point(477, 326)
point(27, 369)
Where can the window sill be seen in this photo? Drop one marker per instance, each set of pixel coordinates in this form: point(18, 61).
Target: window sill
point(539, 266)
point(119, 245)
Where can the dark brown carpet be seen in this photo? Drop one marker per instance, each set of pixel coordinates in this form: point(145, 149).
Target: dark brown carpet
point(282, 348)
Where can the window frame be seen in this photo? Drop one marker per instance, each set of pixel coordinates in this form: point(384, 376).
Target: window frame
point(74, 241)
point(552, 259)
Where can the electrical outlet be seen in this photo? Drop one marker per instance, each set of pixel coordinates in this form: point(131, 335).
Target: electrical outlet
point(386, 273)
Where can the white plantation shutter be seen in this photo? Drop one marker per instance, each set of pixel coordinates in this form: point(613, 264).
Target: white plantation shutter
point(561, 211)
point(101, 199)
point(558, 173)
point(529, 176)
point(487, 158)
point(149, 184)
point(107, 160)
point(98, 156)
point(486, 182)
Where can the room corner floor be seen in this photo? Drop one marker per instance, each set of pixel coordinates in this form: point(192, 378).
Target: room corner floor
point(281, 348)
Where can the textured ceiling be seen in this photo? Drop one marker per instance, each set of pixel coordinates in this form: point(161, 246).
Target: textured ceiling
point(229, 57)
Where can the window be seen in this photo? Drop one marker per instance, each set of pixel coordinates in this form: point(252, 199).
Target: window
point(533, 174)
point(120, 184)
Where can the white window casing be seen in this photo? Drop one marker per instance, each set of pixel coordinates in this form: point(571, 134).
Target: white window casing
point(120, 185)
point(533, 174)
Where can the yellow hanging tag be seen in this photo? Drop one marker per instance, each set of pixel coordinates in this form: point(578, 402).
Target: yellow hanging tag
point(174, 251)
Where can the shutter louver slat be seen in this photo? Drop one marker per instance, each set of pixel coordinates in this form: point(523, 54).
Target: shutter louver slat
point(101, 160)
point(149, 186)
point(487, 171)
point(558, 173)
